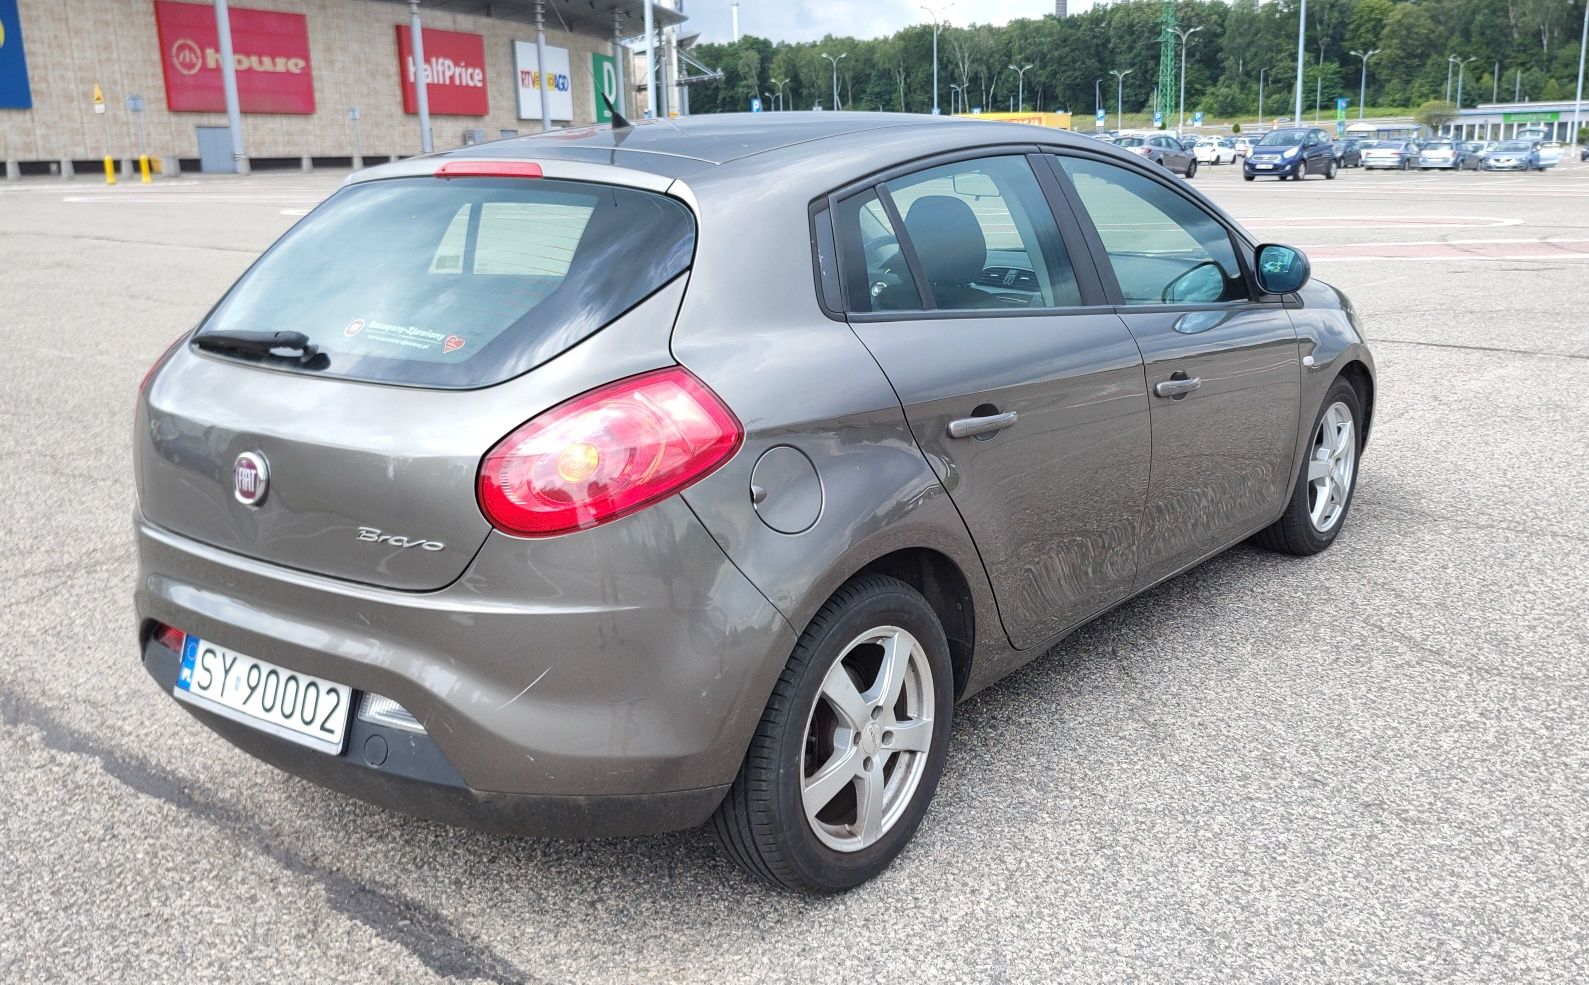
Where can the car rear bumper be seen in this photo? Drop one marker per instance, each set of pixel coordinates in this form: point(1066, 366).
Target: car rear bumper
point(407, 773)
point(1437, 164)
point(632, 661)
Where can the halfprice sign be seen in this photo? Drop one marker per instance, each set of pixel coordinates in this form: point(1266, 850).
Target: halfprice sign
point(455, 67)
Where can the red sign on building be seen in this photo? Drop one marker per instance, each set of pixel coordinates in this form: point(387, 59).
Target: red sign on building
point(455, 65)
point(269, 49)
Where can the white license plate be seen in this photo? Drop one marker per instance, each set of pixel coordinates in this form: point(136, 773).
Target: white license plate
point(1263, 167)
point(307, 710)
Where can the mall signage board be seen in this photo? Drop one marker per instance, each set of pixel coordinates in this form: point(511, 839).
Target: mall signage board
point(270, 51)
point(555, 84)
point(455, 70)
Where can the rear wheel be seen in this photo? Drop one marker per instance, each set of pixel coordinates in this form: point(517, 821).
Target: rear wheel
point(1330, 171)
point(850, 747)
point(1323, 491)
point(1191, 169)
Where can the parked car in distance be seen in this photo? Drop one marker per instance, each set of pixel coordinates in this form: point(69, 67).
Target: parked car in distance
point(1399, 154)
point(1243, 145)
point(1550, 152)
point(1348, 152)
point(478, 524)
point(1293, 153)
point(1211, 150)
point(1437, 154)
point(1583, 153)
point(1164, 150)
point(1470, 154)
point(1514, 155)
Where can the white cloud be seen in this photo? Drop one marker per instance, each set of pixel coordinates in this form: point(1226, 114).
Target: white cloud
point(808, 20)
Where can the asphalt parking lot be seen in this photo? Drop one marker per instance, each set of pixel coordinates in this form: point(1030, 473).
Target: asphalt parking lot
point(1367, 766)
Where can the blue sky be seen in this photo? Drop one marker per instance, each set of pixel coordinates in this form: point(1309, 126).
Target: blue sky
point(807, 20)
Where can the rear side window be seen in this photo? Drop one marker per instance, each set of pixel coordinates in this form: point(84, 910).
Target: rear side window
point(876, 275)
point(459, 283)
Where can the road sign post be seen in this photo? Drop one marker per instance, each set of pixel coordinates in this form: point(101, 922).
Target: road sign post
point(135, 107)
point(1340, 116)
point(104, 130)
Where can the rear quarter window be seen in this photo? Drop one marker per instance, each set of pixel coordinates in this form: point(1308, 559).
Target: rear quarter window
point(458, 283)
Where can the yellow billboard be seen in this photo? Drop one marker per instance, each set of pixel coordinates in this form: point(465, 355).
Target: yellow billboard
point(1059, 121)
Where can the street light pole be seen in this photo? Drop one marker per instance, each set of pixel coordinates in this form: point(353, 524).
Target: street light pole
point(1120, 94)
point(1181, 126)
point(1362, 82)
point(1097, 103)
point(1261, 72)
point(835, 62)
point(234, 116)
point(1449, 60)
point(1577, 103)
point(780, 83)
point(954, 93)
point(1302, 30)
point(1020, 81)
point(1462, 68)
point(937, 25)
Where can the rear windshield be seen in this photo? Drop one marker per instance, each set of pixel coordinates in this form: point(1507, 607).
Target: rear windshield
point(458, 282)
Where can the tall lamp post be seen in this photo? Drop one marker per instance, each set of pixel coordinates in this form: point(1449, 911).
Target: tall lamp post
point(1120, 93)
point(1261, 73)
point(1020, 85)
point(1577, 103)
point(1362, 80)
point(954, 95)
point(1097, 103)
point(1181, 126)
point(1302, 32)
point(1462, 68)
point(937, 25)
point(835, 62)
point(780, 83)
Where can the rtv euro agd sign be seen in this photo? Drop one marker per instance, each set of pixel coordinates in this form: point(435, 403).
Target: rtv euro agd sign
point(554, 83)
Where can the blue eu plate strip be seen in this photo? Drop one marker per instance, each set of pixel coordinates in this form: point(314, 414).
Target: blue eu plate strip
point(190, 652)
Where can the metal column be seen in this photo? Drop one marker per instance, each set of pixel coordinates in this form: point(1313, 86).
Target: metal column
point(620, 98)
point(416, 37)
point(540, 64)
point(234, 115)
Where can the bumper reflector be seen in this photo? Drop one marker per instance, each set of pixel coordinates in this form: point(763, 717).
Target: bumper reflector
point(379, 710)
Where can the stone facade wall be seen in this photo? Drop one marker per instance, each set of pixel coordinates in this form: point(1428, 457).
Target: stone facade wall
point(73, 44)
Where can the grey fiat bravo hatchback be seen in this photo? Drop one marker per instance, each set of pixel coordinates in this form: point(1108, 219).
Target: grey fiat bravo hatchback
point(607, 482)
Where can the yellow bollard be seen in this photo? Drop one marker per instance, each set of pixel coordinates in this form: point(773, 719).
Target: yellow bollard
point(110, 171)
point(143, 168)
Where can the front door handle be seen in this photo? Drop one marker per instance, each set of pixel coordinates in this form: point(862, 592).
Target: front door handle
point(970, 427)
point(1177, 386)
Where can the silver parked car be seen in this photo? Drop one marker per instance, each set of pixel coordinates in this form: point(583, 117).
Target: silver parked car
point(1401, 155)
point(622, 480)
point(1514, 155)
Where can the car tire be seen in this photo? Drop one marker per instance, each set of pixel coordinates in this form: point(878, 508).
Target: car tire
point(764, 824)
point(1329, 172)
point(1308, 525)
point(1247, 177)
point(1191, 169)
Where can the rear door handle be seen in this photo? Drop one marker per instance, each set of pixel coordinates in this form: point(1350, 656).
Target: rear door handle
point(970, 427)
point(1173, 388)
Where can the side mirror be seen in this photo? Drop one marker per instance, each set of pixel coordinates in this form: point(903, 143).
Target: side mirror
point(1282, 269)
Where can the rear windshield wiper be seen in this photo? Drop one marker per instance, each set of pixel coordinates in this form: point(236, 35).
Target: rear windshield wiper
point(294, 345)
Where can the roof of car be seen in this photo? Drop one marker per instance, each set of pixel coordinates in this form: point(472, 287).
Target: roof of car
point(680, 146)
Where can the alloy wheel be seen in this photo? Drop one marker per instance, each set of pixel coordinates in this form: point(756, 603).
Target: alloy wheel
point(1332, 465)
point(867, 739)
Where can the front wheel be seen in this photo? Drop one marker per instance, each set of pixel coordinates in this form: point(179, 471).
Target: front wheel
point(850, 747)
point(1191, 169)
point(1324, 487)
point(1246, 177)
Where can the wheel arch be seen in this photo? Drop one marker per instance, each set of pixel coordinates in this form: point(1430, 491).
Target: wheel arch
point(1357, 373)
point(947, 590)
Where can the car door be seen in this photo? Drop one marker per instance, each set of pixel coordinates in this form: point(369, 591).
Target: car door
point(1221, 363)
point(1020, 384)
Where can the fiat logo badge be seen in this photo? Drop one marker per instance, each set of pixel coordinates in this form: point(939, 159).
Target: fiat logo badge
point(250, 478)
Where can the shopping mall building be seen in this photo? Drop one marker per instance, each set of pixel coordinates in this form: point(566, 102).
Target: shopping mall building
point(319, 82)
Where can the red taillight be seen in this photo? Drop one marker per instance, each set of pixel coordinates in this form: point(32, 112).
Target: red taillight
point(170, 637)
point(606, 454)
point(489, 169)
point(1141, 150)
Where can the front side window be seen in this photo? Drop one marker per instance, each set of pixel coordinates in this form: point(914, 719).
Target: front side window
point(984, 236)
point(1163, 248)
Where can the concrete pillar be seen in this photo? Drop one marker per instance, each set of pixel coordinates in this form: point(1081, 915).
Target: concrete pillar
point(170, 166)
point(305, 163)
point(66, 168)
point(358, 162)
point(13, 169)
point(129, 168)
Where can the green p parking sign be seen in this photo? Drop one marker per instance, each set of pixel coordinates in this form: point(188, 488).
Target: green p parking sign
point(606, 73)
